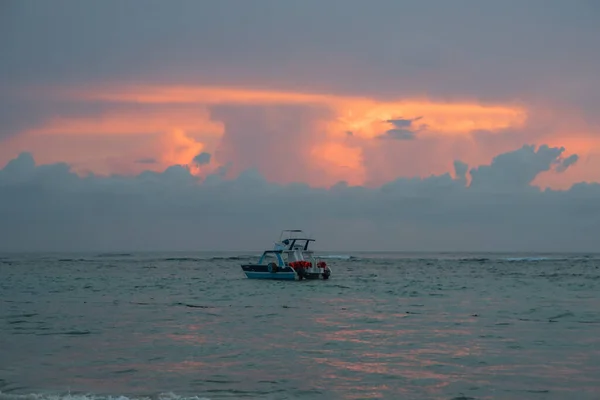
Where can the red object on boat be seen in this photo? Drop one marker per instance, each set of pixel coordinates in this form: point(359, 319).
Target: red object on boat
point(300, 264)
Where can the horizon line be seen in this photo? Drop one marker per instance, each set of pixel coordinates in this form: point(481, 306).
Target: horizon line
point(328, 252)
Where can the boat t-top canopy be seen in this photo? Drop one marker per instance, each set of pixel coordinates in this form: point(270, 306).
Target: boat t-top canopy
point(293, 236)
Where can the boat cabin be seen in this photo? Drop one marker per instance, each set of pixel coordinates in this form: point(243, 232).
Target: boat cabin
point(292, 246)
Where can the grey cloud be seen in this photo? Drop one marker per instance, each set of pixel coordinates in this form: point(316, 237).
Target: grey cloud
point(396, 46)
point(567, 162)
point(460, 169)
point(403, 129)
point(22, 111)
point(515, 170)
point(47, 207)
point(23, 165)
point(400, 123)
point(18, 114)
point(223, 170)
point(403, 123)
point(202, 158)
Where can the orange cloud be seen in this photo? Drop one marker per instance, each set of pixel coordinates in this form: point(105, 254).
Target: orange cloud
point(175, 94)
point(178, 148)
point(365, 116)
point(584, 143)
point(340, 163)
point(140, 122)
point(97, 153)
point(368, 118)
point(173, 123)
point(172, 136)
point(330, 152)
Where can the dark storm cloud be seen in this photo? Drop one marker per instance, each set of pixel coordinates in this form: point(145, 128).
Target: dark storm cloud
point(173, 210)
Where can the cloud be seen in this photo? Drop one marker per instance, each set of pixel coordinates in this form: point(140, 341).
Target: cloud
point(460, 171)
point(240, 44)
point(567, 162)
point(149, 160)
point(113, 138)
point(363, 114)
point(398, 134)
point(516, 170)
point(49, 207)
point(171, 77)
point(202, 159)
point(403, 123)
point(20, 111)
point(277, 132)
point(284, 142)
point(402, 129)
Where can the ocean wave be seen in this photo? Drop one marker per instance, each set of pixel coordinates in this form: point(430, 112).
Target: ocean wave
point(530, 259)
point(95, 257)
point(231, 258)
point(104, 255)
point(523, 259)
point(89, 396)
point(337, 257)
point(210, 258)
point(501, 259)
point(141, 258)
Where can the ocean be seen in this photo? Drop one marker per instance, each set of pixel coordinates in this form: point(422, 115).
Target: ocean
point(385, 326)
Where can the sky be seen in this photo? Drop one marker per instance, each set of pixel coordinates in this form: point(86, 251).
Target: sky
point(383, 125)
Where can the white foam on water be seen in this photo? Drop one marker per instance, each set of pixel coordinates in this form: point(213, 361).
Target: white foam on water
point(335, 257)
point(527, 259)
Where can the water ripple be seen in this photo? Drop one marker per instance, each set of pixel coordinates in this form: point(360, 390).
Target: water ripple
point(172, 326)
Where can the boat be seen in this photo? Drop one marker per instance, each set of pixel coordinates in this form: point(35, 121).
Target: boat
point(290, 259)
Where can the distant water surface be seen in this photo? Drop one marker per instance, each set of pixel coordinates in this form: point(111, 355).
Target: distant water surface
point(385, 326)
